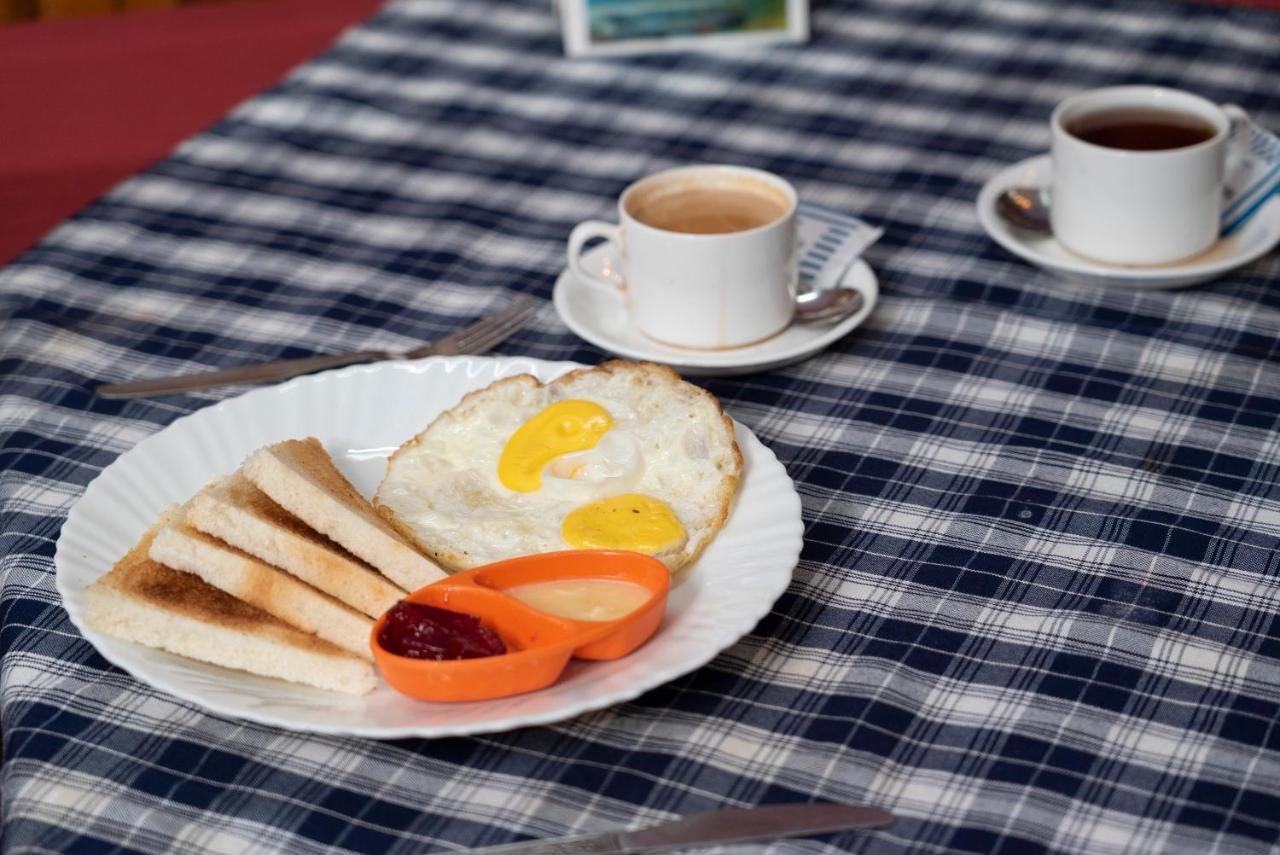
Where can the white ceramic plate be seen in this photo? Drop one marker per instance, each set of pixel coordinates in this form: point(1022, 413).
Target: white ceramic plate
point(361, 414)
point(600, 316)
point(1254, 239)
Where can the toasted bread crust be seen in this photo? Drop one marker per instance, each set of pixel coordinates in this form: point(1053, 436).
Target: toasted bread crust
point(183, 593)
point(308, 458)
point(280, 594)
point(146, 602)
point(241, 492)
point(299, 475)
point(141, 579)
point(234, 510)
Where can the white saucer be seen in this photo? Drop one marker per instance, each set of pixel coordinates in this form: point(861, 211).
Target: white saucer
point(1254, 239)
point(600, 316)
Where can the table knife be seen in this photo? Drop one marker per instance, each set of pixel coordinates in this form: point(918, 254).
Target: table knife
point(474, 339)
point(717, 827)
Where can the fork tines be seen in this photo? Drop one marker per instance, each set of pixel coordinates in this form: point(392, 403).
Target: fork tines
point(485, 333)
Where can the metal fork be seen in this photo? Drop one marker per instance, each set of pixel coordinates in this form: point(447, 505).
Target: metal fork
point(474, 339)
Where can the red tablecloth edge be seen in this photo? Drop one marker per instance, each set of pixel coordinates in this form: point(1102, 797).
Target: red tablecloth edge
point(90, 101)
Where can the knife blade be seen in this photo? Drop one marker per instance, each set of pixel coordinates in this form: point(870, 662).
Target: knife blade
point(473, 339)
point(734, 825)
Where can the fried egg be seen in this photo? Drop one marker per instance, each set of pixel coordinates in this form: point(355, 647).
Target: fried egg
point(622, 456)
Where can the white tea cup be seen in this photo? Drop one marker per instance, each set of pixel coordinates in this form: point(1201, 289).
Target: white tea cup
point(1139, 173)
point(706, 255)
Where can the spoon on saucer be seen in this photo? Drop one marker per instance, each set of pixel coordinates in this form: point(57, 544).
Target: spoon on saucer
point(1026, 208)
point(827, 303)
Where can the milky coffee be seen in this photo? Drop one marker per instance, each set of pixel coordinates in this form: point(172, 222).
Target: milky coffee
point(708, 205)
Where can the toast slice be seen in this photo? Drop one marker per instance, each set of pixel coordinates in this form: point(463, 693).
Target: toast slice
point(299, 475)
point(236, 512)
point(143, 601)
point(178, 545)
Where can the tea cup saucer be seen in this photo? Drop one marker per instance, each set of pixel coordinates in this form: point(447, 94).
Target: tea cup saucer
point(600, 317)
point(1248, 243)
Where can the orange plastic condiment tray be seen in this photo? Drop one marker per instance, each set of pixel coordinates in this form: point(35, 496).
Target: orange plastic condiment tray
point(539, 645)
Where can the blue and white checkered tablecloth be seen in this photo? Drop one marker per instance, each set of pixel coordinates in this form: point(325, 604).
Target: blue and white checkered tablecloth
point(1038, 607)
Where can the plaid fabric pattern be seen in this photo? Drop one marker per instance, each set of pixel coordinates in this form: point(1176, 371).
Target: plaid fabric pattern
point(1038, 608)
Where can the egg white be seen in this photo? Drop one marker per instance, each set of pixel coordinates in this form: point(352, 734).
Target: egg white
point(667, 442)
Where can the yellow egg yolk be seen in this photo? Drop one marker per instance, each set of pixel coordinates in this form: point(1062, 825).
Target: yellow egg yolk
point(633, 522)
point(562, 428)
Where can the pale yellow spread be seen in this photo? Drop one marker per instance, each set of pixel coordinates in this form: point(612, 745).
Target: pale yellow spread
point(583, 599)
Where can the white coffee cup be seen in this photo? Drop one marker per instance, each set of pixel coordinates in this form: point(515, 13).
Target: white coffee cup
point(1133, 205)
point(705, 255)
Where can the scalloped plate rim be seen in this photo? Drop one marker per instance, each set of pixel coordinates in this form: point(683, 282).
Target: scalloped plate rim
point(761, 463)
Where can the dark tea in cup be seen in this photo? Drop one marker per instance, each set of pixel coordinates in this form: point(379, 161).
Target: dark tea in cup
point(1139, 173)
point(1141, 129)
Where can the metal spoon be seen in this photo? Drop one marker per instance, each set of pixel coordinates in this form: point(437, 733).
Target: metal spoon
point(1026, 208)
point(826, 304)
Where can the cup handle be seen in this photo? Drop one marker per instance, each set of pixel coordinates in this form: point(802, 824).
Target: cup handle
point(1238, 155)
point(578, 238)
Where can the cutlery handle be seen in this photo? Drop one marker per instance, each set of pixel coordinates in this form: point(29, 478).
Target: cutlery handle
point(279, 370)
point(740, 825)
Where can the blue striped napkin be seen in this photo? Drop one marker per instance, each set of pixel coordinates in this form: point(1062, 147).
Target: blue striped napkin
point(1259, 179)
point(829, 241)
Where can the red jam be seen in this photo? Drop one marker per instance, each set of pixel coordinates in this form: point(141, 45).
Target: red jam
point(420, 631)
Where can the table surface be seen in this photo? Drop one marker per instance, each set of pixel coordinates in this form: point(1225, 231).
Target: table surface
point(1038, 606)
